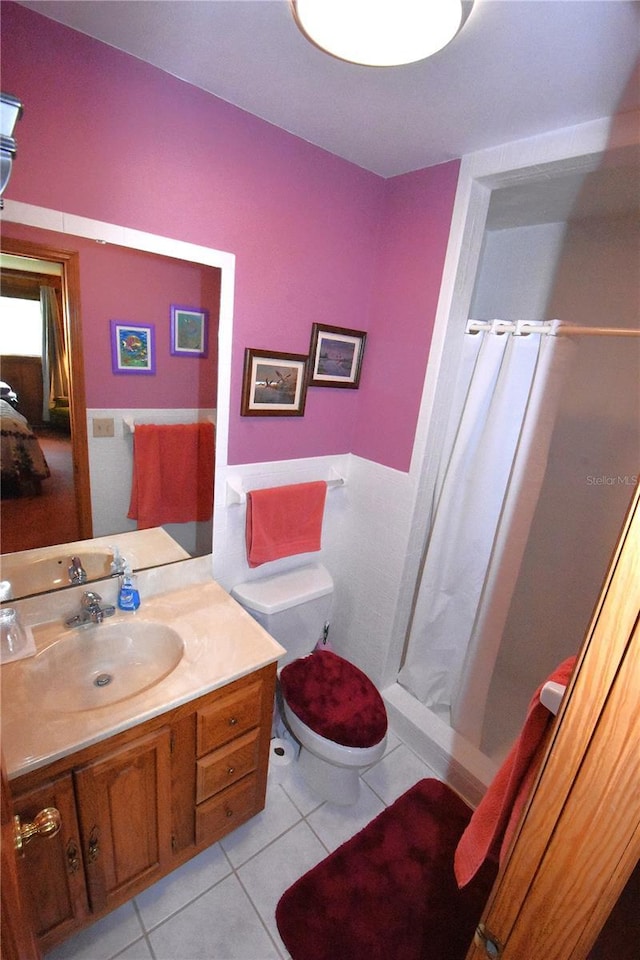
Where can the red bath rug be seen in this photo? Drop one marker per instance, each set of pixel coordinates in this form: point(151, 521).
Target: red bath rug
point(389, 891)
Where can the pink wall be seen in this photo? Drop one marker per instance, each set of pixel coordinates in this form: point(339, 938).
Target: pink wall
point(315, 237)
point(137, 287)
point(416, 216)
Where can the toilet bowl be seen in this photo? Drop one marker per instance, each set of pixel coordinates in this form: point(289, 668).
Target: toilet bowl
point(330, 706)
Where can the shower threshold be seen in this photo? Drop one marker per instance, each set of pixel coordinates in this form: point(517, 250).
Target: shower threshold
point(452, 758)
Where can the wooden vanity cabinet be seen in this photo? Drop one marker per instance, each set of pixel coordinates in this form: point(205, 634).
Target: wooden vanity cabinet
point(142, 802)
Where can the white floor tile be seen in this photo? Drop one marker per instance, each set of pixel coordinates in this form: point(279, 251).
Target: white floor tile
point(267, 876)
point(219, 925)
point(302, 795)
point(396, 773)
point(221, 905)
point(103, 939)
point(278, 816)
point(392, 742)
point(334, 824)
point(139, 950)
point(181, 886)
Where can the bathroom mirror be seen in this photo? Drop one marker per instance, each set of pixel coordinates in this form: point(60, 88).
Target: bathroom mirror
point(187, 273)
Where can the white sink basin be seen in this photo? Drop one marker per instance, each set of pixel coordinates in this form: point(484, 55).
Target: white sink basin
point(100, 664)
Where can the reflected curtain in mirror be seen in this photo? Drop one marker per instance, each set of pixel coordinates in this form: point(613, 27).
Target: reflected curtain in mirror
point(55, 364)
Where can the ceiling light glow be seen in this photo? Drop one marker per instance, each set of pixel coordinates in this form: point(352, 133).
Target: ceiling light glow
point(381, 33)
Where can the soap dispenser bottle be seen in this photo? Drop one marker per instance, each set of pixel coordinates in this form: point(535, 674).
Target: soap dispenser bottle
point(128, 594)
point(118, 564)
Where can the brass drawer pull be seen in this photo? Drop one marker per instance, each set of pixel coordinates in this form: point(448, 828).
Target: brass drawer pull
point(233, 721)
point(73, 860)
point(94, 846)
point(46, 824)
point(228, 811)
point(231, 770)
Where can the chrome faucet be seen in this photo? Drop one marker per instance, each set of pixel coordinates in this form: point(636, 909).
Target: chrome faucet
point(77, 573)
point(91, 611)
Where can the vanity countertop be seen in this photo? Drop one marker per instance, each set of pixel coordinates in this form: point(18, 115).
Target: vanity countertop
point(222, 643)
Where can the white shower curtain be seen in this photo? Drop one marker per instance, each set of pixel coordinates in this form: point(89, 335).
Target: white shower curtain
point(507, 393)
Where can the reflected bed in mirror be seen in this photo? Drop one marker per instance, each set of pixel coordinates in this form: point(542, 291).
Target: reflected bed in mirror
point(30, 572)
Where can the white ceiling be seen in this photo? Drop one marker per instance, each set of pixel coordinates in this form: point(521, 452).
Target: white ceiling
point(517, 69)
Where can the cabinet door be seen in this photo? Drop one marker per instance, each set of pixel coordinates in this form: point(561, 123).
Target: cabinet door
point(124, 803)
point(51, 870)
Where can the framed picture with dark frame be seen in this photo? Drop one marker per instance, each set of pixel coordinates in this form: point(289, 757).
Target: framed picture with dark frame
point(335, 356)
point(132, 347)
point(189, 331)
point(274, 384)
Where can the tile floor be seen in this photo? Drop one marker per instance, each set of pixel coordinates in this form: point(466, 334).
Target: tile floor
point(221, 905)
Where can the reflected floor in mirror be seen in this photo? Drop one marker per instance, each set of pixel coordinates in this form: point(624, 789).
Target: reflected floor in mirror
point(47, 518)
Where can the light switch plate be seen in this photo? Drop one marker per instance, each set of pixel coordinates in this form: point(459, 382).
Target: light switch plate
point(103, 426)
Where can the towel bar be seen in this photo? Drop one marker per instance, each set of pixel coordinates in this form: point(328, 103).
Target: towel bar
point(551, 695)
point(237, 495)
point(131, 424)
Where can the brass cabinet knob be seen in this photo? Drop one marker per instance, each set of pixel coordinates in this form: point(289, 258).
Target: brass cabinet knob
point(73, 857)
point(46, 824)
point(93, 851)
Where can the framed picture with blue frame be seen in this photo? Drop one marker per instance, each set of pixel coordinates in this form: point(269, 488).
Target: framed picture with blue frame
point(189, 331)
point(132, 347)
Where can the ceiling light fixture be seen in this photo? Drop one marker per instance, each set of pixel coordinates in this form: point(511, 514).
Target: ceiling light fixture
point(380, 33)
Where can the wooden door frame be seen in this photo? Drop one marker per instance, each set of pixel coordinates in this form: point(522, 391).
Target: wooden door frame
point(70, 261)
point(579, 839)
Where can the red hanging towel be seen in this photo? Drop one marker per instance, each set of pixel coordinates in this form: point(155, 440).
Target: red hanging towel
point(283, 521)
point(172, 473)
point(494, 821)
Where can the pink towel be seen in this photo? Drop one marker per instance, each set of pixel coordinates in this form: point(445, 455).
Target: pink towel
point(282, 521)
point(493, 823)
point(172, 474)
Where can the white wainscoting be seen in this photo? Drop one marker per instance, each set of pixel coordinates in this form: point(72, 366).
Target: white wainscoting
point(365, 535)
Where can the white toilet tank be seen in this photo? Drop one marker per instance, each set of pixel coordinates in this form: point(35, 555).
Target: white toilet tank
point(293, 607)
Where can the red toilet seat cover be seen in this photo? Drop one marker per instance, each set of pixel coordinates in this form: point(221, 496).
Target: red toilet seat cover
point(335, 699)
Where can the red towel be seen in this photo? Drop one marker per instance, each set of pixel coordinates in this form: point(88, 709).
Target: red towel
point(172, 474)
point(282, 521)
point(493, 823)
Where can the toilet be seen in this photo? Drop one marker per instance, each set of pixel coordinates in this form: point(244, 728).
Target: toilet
point(330, 706)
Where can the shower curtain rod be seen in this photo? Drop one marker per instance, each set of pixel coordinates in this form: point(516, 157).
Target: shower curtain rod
point(552, 327)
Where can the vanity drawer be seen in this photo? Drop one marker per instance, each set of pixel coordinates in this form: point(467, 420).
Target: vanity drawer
point(227, 810)
point(228, 718)
point(227, 765)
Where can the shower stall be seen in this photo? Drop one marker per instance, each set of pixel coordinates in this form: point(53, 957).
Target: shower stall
point(568, 249)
